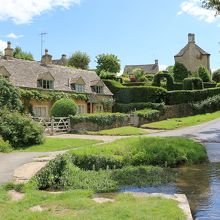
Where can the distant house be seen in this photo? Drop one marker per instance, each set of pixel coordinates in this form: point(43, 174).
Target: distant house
point(148, 68)
point(45, 76)
point(192, 56)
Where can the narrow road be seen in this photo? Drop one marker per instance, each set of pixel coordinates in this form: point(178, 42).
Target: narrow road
point(208, 132)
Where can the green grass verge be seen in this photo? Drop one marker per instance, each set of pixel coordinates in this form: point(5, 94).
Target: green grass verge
point(58, 144)
point(174, 123)
point(122, 131)
point(136, 151)
point(78, 205)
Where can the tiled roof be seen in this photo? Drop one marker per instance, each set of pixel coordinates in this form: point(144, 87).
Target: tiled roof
point(149, 68)
point(187, 47)
point(25, 74)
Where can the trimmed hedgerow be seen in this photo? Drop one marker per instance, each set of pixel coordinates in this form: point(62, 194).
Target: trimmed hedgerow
point(204, 74)
point(114, 86)
point(207, 106)
point(159, 76)
point(141, 94)
point(64, 108)
point(193, 83)
point(125, 108)
point(104, 119)
point(208, 85)
point(190, 96)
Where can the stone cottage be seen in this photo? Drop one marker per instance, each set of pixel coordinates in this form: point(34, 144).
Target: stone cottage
point(147, 68)
point(192, 56)
point(47, 77)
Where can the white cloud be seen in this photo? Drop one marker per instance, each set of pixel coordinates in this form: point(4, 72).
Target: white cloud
point(14, 36)
point(23, 11)
point(3, 45)
point(193, 7)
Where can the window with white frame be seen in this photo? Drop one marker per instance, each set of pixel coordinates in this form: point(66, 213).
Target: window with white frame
point(99, 108)
point(78, 87)
point(81, 109)
point(40, 111)
point(45, 84)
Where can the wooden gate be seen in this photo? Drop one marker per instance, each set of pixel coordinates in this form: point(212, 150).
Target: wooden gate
point(54, 125)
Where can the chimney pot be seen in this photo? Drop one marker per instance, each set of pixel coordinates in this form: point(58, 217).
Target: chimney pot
point(9, 51)
point(47, 58)
point(156, 62)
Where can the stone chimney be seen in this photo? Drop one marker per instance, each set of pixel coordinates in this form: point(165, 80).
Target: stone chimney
point(191, 38)
point(156, 62)
point(9, 51)
point(64, 60)
point(46, 58)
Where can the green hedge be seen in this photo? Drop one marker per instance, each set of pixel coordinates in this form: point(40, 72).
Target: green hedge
point(207, 106)
point(104, 119)
point(159, 76)
point(149, 114)
point(141, 94)
point(193, 83)
point(190, 96)
point(114, 86)
point(208, 85)
point(125, 108)
point(134, 84)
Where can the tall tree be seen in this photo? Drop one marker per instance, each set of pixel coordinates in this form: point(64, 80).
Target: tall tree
point(80, 60)
point(212, 4)
point(108, 62)
point(19, 54)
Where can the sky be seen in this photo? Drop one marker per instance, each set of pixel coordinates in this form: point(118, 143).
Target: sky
point(137, 31)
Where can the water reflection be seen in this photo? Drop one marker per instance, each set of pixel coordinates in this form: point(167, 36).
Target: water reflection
point(200, 183)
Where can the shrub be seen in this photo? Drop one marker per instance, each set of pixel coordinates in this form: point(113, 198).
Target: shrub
point(216, 76)
point(192, 83)
point(179, 97)
point(9, 95)
point(208, 85)
point(103, 119)
point(204, 74)
point(96, 162)
point(208, 105)
point(140, 94)
point(125, 108)
point(180, 72)
point(20, 130)
point(5, 147)
point(64, 108)
point(148, 114)
point(106, 75)
point(56, 174)
point(139, 75)
point(159, 76)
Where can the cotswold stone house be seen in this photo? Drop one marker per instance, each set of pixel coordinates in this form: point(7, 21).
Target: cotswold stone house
point(47, 77)
point(148, 68)
point(192, 56)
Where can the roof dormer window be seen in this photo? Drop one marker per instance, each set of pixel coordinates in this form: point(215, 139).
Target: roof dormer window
point(97, 89)
point(45, 81)
point(77, 84)
point(97, 86)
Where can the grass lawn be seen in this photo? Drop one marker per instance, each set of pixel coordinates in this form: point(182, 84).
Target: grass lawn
point(58, 144)
point(79, 205)
point(182, 122)
point(122, 131)
point(156, 151)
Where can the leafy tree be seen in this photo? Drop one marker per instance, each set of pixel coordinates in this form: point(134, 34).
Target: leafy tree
point(108, 62)
point(212, 4)
point(204, 74)
point(216, 76)
point(139, 75)
point(19, 54)
point(180, 72)
point(170, 69)
point(9, 95)
point(80, 60)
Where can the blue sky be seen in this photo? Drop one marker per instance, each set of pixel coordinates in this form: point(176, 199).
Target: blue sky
point(137, 31)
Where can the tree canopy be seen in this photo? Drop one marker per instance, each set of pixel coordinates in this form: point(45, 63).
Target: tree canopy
point(19, 54)
point(80, 60)
point(212, 4)
point(108, 62)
